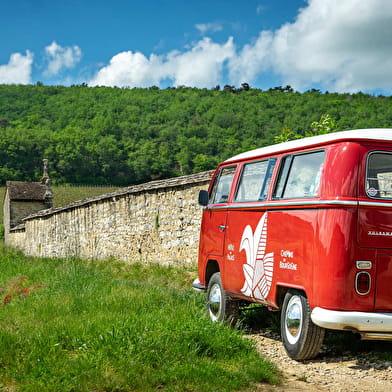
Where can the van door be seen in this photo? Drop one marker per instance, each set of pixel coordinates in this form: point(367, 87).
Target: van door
point(215, 214)
point(375, 222)
point(248, 263)
point(375, 211)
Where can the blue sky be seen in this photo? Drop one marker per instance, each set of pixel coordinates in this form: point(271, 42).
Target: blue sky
point(334, 45)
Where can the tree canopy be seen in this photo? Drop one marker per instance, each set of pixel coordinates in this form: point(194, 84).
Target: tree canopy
point(123, 136)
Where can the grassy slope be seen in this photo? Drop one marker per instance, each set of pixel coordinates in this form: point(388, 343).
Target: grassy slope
point(72, 325)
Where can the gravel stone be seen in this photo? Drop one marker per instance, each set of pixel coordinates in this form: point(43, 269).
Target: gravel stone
point(345, 373)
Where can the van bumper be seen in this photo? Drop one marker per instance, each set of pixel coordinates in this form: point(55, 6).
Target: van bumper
point(197, 286)
point(369, 325)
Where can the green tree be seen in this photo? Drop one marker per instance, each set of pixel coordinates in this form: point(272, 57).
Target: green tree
point(286, 135)
point(325, 125)
point(125, 136)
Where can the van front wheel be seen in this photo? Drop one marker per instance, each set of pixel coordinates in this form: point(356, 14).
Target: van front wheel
point(219, 305)
point(301, 338)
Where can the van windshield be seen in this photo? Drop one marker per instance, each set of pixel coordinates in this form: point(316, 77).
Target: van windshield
point(379, 175)
point(221, 188)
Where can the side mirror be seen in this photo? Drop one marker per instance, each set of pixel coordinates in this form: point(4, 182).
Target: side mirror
point(203, 197)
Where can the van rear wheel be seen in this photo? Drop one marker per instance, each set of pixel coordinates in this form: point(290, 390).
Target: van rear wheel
point(219, 305)
point(302, 339)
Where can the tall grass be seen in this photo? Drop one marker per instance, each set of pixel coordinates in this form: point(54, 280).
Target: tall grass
point(72, 325)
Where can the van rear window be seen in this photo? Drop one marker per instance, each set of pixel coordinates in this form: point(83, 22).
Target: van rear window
point(300, 175)
point(379, 175)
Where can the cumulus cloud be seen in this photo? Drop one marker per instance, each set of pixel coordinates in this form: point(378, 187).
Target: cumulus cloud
point(200, 66)
point(253, 60)
point(337, 45)
point(61, 58)
point(129, 69)
point(18, 69)
point(340, 45)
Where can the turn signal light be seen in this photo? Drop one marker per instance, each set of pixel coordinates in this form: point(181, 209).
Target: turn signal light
point(364, 264)
point(362, 283)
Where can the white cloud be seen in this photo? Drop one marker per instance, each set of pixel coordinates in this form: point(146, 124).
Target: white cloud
point(61, 57)
point(341, 45)
point(18, 69)
point(201, 66)
point(213, 27)
point(333, 44)
point(252, 61)
point(129, 69)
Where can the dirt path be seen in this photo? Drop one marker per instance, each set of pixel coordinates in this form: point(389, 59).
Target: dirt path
point(328, 372)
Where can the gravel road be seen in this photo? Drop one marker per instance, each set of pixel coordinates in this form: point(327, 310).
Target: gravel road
point(347, 372)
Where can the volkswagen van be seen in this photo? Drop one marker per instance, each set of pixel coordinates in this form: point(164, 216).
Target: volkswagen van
point(304, 228)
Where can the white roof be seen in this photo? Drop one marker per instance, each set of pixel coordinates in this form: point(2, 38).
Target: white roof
point(357, 134)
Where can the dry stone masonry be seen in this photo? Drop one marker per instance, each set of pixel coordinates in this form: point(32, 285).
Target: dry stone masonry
point(158, 221)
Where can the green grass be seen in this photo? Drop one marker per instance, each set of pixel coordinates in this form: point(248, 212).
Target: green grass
point(72, 325)
point(65, 194)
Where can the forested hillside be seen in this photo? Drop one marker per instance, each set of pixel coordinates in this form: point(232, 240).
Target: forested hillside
point(122, 136)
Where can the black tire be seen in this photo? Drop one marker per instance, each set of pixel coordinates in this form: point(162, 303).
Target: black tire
point(219, 305)
point(302, 339)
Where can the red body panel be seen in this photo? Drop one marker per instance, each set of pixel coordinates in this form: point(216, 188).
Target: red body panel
point(383, 290)
point(309, 243)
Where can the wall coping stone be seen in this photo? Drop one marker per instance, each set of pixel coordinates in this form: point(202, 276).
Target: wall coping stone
point(148, 186)
point(20, 227)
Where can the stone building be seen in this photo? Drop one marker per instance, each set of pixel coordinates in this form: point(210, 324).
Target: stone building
point(25, 198)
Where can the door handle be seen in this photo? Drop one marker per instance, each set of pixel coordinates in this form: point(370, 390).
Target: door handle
point(222, 227)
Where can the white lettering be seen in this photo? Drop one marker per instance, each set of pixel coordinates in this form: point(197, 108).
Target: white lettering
point(287, 253)
point(380, 233)
point(289, 266)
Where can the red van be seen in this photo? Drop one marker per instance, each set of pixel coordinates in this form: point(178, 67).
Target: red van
point(303, 227)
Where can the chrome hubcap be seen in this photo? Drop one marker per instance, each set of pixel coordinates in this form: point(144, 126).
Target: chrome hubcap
point(293, 319)
point(215, 302)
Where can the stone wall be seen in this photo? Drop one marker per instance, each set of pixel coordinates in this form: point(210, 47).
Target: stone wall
point(157, 222)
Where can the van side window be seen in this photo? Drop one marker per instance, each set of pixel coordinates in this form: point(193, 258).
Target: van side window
point(255, 180)
point(300, 175)
point(221, 188)
point(379, 175)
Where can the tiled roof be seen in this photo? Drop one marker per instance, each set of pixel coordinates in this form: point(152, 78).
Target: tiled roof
point(19, 190)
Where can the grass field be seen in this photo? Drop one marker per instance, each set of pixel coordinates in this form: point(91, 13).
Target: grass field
point(72, 325)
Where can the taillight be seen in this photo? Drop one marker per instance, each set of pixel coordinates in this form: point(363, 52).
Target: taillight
point(362, 283)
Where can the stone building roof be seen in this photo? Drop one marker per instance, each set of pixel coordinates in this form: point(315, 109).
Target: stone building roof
point(20, 190)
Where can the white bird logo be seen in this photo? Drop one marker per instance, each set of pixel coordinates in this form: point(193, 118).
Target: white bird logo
point(259, 266)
